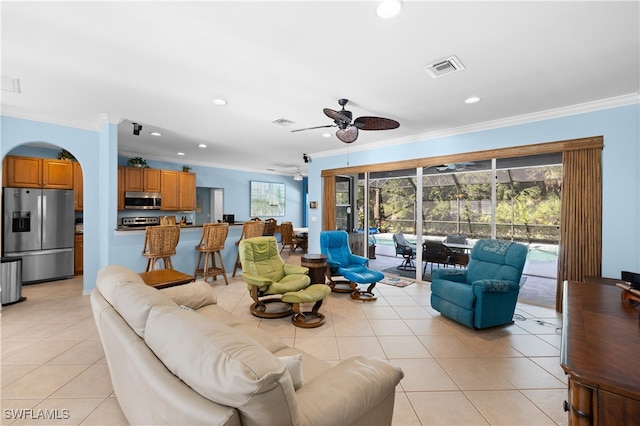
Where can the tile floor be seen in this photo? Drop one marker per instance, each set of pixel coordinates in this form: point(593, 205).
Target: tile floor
point(53, 364)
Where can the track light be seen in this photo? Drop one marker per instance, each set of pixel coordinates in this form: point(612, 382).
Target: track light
point(306, 158)
point(137, 128)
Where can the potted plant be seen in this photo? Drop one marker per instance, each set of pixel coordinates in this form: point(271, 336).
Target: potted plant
point(186, 169)
point(66, 155)
point(137, 162)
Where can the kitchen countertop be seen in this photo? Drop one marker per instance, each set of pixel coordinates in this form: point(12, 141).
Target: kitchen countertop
point(142, 228)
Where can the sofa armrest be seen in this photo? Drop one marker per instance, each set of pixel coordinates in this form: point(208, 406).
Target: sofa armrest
point(295, 269)
point(346, 392)
point(256, 280)
point(449, 274)
point(494, 286)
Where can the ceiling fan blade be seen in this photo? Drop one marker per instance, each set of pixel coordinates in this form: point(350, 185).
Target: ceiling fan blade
point(348, 135)
point(375, 123)
point(316, 127)
point(337, 115)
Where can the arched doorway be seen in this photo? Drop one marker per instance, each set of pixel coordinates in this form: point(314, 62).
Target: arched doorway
point(43, 194)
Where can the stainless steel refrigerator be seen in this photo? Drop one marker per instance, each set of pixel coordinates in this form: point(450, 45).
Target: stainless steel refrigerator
point(38, 226)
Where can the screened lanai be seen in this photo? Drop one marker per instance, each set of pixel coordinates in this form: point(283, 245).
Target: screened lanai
point(461, 199)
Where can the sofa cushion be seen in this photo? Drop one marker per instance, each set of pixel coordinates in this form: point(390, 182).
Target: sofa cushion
point(222, 365)
point(194, 295)
point(112, 276)
point(130, 296)
point(294, 367)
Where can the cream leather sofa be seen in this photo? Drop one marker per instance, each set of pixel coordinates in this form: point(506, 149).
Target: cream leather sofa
point(176, 357)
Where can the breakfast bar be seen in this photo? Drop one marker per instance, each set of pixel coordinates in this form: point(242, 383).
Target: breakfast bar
point(128, 243)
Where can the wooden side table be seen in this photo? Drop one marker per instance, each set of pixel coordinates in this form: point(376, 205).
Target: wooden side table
point(161, 278)
point(316, 264)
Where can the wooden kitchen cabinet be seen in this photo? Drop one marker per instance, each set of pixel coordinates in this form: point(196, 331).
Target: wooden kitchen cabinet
point(121, 187)
point(78, 187)
point(187, 191)
point(178, 190)
point(139, 179)
point(30, 172)
point(78, 254)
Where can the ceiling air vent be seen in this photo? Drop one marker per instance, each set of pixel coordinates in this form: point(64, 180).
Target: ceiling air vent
point(282, 122)
point(10, 84)
point(444, 67)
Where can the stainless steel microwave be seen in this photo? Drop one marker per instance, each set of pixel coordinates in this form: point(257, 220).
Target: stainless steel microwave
point(142, 200)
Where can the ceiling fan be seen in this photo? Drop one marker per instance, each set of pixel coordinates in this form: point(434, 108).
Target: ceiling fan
point(449, 167)
point(348, 131)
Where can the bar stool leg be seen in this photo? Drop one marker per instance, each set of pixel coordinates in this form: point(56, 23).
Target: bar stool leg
point(224, 273)
point(195, 273)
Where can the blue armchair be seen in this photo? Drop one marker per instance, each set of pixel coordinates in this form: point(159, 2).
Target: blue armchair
point(352, 267)
point(485, 293)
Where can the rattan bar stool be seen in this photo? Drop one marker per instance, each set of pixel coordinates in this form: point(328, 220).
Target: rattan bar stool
point(160, 243)
point(250, 229)
point(211, 244)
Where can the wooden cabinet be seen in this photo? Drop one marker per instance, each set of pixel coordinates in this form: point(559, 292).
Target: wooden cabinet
point(187, 191)
point(78, 254)
point(600, 347)
point(178, 190)
point(121, 187)
point(29, 172)
point(139, 179)
point(170, 195)
point(78, 187)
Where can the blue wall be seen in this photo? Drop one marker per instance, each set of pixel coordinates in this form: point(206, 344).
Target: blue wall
point(97, 152)
point(621, 164)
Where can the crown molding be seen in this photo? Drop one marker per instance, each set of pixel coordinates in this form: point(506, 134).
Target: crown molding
point(97, 123)
point(602, 104)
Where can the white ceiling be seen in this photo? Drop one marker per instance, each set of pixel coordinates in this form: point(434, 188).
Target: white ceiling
point(161, 64)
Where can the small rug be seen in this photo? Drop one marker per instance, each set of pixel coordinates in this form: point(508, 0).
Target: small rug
point(396, 282)
point(411, 273)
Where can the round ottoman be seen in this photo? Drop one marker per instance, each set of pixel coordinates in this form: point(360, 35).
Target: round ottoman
point(314, 293)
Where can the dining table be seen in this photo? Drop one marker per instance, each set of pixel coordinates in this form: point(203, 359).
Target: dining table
point(466, 247)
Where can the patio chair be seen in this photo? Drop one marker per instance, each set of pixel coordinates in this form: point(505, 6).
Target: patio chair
point(407, 250)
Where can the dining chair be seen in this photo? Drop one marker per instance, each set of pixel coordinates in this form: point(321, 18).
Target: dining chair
point(269, 227)
point(288, 238)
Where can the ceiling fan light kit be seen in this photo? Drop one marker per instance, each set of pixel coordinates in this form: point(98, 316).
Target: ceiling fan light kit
point(348, 131)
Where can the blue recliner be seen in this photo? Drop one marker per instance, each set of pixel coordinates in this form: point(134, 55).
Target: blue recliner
point(485, 293)
point(341, 262)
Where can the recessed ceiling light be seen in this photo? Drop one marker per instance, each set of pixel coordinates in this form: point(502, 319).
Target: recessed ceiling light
point(202, 145)
point(180, 153)
point(326, 135)
point(219, 102)
point(472, 100)
point(155, 133)
point(389, 8)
